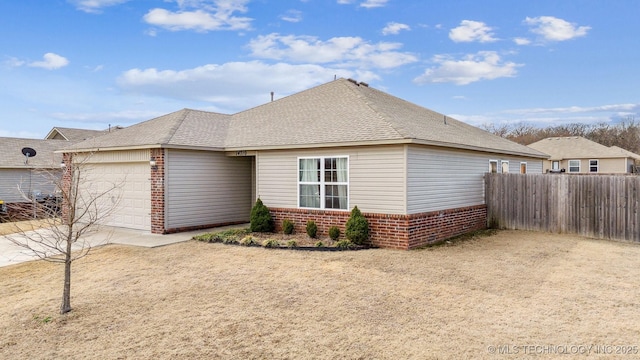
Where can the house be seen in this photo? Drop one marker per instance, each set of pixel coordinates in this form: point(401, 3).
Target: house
point(416, 175)
point(575, 154)
point(22, 179)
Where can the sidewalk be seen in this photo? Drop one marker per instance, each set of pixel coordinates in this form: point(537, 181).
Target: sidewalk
point(12, 254)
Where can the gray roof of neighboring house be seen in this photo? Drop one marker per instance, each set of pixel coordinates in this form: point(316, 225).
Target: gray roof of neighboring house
point(626, 152)
point(12, 157)
point(338, 113)
point(577, 147)
point(184, 128)
point(72, 134)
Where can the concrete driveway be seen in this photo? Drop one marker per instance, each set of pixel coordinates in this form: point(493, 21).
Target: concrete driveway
point(13, 254)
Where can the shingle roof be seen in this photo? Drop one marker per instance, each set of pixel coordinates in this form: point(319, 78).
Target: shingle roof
point(577, 147)
point(626, 152)
point(72, 134)
point(186, 128)
point(12, 157)
point(341, 112)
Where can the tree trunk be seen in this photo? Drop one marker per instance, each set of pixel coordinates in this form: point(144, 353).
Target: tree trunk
point(66, 292)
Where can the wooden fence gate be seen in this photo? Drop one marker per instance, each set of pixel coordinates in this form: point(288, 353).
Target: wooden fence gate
point(599, 206)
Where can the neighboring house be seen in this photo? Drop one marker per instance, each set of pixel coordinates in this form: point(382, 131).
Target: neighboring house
point(22, 179)
point(417, 175)
point(76, 135)
point(576, 154)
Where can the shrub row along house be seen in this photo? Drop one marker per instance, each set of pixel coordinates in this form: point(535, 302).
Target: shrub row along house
point(416, 175)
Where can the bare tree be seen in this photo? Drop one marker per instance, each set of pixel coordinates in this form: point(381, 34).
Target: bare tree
point(81, 203)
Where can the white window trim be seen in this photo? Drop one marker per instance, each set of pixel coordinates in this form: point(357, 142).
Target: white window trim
point(496, 162)
point(502, 162)
point(322, 182)
point(569, 165)
point(526, 167)
point(597, 165)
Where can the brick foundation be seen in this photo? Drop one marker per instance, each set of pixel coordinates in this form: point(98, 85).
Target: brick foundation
point(157, 192)
point(393, 231)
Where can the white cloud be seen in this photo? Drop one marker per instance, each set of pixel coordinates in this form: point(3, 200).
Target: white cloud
point(394, 28)
point(366, 4)
point(50, 61)
point(293, 16)
point(202, 16)
point(373, 3)
point(233, 86)
point(521, 41)
point(95, 6)
point(618, 108)
point(554, 29)
point(470, 30)
point(341, 51)
point(485, 65)
point(13, 62)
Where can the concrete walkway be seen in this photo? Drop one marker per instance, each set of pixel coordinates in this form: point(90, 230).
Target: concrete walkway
point(11, 253)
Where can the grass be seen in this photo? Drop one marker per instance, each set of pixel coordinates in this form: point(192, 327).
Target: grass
point(197, 300)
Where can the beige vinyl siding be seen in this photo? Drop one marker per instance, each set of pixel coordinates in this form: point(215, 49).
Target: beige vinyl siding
point(376, 177)
point(29, 180)
point(440, 179)
point(205, 188)
point(124, 156)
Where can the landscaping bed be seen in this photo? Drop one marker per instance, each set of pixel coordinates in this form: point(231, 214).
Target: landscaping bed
point(295, 241)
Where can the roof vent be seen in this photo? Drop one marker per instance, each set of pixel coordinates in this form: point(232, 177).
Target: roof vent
point(353, 81)
point(362, 83)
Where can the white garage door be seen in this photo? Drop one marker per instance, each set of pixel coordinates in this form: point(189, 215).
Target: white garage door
point(134, 192)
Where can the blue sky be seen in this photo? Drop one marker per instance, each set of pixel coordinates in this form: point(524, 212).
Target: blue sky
point(91, 63)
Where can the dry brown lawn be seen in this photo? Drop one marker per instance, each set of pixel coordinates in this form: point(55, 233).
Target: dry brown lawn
point(21, 226)
point(197, 300)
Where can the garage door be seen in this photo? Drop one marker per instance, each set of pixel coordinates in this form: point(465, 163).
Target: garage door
point(131, 201)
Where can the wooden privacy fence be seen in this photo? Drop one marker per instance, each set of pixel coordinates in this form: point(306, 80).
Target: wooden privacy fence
point(600, 206)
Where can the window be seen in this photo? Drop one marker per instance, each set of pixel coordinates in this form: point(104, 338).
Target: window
point(323, 183)
point(593, 166)
point(493, 166)
point(523, 168)
point(555, 165)
point(505, 166)
point(574, 166)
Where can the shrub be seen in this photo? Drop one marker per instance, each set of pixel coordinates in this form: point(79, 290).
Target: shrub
point(319, 244)
point(261, 220)
point(248, 241)
point(287, 226)
point(357, 227)
point(334, 233)
point(292, 244)
point(345, 244)
point(312, 229)
point(271, 243)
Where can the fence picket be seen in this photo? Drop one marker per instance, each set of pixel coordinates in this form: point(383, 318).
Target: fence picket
point(602, 206)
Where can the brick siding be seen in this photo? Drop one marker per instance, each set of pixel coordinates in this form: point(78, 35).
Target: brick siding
point(393, 231)
point(157, 193)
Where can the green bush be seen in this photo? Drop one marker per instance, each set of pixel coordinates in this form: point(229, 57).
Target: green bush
point(345, 244)
point(261, 220)
point(334, 233)
point(248, 241)
point(271, 243)
point(319, 244)
point(292, 244)
point(357, 227)
point(287, 226)
point(312, 229)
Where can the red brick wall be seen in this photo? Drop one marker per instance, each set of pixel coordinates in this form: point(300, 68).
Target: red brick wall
point(157, 192)
point(393, 231)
